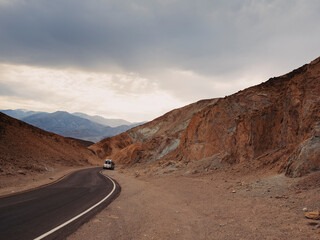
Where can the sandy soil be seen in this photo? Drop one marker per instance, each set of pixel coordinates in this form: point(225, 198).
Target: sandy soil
point(214, 206)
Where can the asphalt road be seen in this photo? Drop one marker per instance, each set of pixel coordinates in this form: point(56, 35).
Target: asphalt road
point(31, 214)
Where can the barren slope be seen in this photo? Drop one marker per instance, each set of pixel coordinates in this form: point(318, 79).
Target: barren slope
point(275, 124)
point(150, 141)
point(26, 149)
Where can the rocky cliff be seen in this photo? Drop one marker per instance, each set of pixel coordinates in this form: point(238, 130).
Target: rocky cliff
point(151, 141)
point(274, 124)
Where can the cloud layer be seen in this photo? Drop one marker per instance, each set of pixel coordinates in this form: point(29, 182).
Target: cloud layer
point(110, 95)
point(187, 49)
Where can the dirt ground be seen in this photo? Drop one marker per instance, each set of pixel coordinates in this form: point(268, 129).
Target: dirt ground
point(223, 205)
point(226, 204)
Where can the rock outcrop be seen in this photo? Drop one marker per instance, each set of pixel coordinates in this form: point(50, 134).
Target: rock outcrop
point(151, 141)
point(274, 124)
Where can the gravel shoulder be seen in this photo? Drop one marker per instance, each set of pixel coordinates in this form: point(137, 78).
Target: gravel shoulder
point(213, 206)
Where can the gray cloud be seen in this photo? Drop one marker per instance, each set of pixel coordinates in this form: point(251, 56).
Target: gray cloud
point(6, 90)
point(25, 92)
point(208, 37)
point(164, 53)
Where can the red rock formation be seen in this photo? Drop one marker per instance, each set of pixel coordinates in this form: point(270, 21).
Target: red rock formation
point(156, 138)
point(275, 123)
point(109, 146)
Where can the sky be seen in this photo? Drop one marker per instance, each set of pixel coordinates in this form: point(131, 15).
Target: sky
point(137, 60)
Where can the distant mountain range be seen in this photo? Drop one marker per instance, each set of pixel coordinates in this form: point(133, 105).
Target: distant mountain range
point(77, 125)
point(103, 121)
point(18, 113)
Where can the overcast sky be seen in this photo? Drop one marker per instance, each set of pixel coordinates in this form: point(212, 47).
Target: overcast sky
point(137, 60)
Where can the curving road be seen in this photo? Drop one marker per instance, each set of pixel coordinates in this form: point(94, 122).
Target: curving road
point(57, 210)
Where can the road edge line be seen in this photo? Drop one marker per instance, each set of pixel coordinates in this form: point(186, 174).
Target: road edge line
point(81, 214)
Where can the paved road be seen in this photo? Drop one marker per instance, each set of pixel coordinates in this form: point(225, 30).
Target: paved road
point(32, 214)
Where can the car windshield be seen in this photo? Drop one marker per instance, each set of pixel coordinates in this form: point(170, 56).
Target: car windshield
point(108, 161)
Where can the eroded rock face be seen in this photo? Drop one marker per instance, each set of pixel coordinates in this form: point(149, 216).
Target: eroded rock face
point(272, 124)
point(264, 124)
point(111, 145)
point(152, 141)
point(306, 158)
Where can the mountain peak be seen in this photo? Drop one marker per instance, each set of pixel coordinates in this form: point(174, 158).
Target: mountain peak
point(61, 113)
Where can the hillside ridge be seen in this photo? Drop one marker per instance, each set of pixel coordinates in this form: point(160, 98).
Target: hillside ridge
point(272, 125)
point(27, 149)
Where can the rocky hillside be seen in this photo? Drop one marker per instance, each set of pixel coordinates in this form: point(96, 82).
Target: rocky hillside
point(24, 148)
point(275, 124)
point(153, 140)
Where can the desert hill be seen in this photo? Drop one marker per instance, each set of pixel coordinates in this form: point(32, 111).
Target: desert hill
point(272, 125)
point(25, 149)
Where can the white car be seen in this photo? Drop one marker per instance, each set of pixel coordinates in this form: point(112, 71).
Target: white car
point(109, 164)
